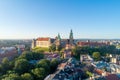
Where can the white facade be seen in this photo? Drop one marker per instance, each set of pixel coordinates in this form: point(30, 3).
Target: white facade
point(43, 43)
point(113, 60)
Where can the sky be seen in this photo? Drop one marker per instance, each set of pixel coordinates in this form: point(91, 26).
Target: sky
point(28, 19)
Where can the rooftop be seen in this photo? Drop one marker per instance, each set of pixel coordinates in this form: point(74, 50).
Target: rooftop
point(43, 39)
point(112, 77)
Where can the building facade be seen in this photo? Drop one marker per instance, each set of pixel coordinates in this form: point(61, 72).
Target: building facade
point(44, 42)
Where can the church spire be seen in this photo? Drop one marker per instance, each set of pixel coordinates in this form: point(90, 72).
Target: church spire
point(71, 34)
point(71, 37)
point(59, 38)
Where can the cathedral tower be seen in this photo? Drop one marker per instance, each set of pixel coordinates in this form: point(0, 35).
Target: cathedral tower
point(71, 41)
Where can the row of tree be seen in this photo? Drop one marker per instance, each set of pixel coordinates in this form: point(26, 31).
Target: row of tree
point(100, 51)
point(21, 68)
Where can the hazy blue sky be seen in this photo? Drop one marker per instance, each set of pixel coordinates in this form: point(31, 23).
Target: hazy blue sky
point(41, 18)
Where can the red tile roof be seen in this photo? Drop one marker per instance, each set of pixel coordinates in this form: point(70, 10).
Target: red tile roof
point(98, 71)
point(43, 39)
point(62, 65)
point(92, 43)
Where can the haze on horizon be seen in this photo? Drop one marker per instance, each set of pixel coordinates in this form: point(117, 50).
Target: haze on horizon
point(27, 19)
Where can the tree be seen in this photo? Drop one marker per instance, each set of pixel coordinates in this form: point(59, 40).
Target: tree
point(21, 66)
point(77, 51)
point(59, 48)
point(5, 65)
point(11, 64)
point(5, 60)
point(13, 76)
point(27, 76)
point(37, 56)
point(52, 48)
point(53, 65)
point(39, 73)
point(1, 71)
point(31, 55)
point(96, 56)
point(27, 55)
point(44, 64)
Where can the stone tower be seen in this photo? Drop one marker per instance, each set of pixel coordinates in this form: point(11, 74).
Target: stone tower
point(33, 43)
point(71, 41)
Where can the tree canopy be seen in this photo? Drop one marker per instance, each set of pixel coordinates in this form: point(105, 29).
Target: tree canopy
point(27, 76)
point(52, 48)
point(39, 73)
point(96, 56)
point(44, 64)
point(53, 65)
point(103, 50)
point(21, 69)
point(21, 66)
point(31, 55)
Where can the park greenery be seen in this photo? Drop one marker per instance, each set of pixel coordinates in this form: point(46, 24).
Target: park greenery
point(40, 49)
point(52, 48)
point(28, 66)
point(96, 52)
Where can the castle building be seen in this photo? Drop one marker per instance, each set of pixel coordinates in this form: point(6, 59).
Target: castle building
point(45, 42)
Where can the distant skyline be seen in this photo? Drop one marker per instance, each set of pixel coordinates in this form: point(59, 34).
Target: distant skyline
point(28, 19)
